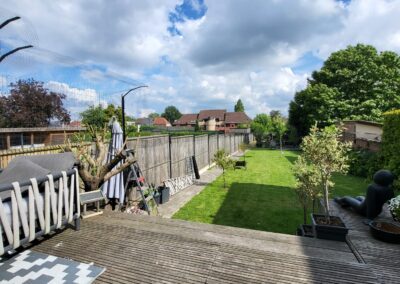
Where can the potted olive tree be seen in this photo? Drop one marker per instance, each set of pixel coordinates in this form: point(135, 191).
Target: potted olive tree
point(307, 189)
point(324, 150)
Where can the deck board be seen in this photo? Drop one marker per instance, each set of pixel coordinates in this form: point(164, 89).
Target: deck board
point(383, 258)
point(142, 249)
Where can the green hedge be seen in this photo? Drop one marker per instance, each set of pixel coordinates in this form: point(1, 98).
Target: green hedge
point(390, 150)
point(364, 163)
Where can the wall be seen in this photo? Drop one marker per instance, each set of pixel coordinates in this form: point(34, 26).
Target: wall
point(369, 132)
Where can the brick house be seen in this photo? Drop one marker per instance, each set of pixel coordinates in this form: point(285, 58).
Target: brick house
point(214, 120)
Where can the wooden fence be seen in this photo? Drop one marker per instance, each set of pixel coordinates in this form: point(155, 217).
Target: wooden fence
point(161, 157)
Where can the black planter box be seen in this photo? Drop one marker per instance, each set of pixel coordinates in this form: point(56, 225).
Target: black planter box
point(240, 164)
point(329, 232)
point(164, 194)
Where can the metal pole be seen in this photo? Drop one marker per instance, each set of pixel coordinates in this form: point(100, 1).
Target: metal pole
point(123, 108)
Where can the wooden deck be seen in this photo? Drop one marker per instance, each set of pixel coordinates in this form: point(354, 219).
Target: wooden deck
point(383, 258)
point(142, 249)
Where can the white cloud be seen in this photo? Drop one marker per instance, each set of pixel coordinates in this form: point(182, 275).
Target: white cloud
point(80, 95)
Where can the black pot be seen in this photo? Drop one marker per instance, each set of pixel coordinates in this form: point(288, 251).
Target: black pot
point(329, 232)
point(157, 197)
point(164, 194)
point(380, 233)
point(307, 231)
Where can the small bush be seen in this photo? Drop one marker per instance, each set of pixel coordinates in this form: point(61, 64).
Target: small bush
point(364, 163)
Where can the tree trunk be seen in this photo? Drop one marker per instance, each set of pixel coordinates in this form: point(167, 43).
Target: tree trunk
point(223, 175)
point(326, 195)
point(280, 143)
point(305, 214)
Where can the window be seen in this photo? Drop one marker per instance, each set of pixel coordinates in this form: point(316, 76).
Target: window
point(39, 138)
point(16, 139)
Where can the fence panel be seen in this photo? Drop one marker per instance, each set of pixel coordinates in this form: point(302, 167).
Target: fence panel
point(201, 150)
point(213, 146)
point(181, 148)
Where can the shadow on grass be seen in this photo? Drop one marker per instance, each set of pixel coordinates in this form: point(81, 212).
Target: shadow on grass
point(291, 159)
point(260, 207)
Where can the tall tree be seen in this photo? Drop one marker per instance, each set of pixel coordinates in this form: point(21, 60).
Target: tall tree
point(95, 116)
point(261, 126)
point(275, 113)
point(239, 107)
point(354, 83)
point(171, 113)
point(153, 115)
point(279, 128)
point(31, 105)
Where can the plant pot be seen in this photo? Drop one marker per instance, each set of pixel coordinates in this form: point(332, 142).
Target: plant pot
point(335, 231)
point(384, 231)
point(164, 197)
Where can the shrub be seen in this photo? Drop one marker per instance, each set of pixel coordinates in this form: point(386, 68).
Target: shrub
point(390, 150)
point(364, 163)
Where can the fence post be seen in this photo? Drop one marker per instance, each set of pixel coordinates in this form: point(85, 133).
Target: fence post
point(217, 141)
point(170, 155)
point(194, 146)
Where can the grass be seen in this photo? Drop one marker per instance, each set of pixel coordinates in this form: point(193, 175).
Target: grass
point(261, 197)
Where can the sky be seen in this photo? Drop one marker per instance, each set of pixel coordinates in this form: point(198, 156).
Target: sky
point(194, 54)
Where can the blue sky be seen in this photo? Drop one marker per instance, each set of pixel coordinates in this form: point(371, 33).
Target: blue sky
point(192, 54)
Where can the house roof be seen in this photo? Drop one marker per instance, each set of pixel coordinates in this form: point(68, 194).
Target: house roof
point(189, 118)
point(144, 121)
point(161, 121)
point(236, 117)
point(212, 113)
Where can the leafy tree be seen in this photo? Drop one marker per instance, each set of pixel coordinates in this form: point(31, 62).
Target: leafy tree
point(279, 128)
point(171, 113)
point(223, 161)
point(153, 115)
point(197, 126)
point(308, 182)
point(95, 116)
point(31, 105)
point(275, 113)
point(239, 107)
point(354, 83)
point(323, 150)
point(111, 111)
point(261, 126)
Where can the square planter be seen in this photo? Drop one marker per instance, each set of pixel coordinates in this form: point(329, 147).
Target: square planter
point(336, 232)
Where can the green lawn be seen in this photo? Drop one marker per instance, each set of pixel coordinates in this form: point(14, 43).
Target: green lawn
point(260, 197)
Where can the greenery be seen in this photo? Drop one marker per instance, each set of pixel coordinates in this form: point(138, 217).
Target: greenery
point(153, 115)
point(31, 105)
point(394, 206)
point(323, 150)
point(353, 83)
point(223, 161)
point(390, 150)
point(279, 128)
point(171, 114)
point(364, 163)
point(261, 197)
point(308, 181)
point(239, 107)
point(260, 126)
point(98, 117)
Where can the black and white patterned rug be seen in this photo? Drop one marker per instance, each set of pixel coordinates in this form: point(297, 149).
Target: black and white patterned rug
point(33, 267)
